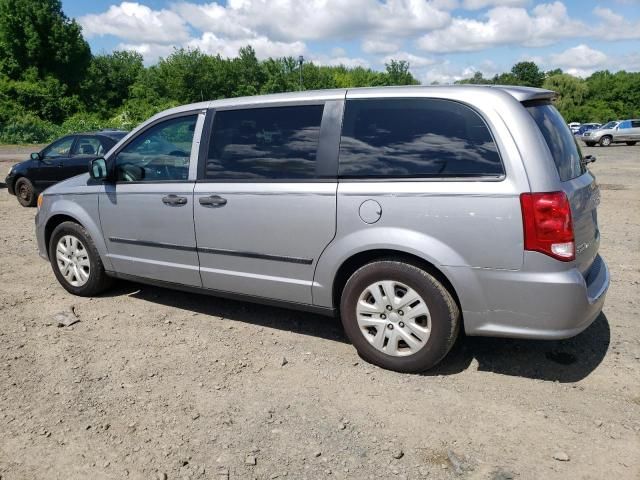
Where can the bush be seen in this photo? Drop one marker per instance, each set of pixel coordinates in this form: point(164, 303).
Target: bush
point(28, 128)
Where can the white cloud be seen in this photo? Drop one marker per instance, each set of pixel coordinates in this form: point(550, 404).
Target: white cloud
point(289, 20)
point(212, 44)
point(137, 23)
point(480, 4)
point(581, 56)
point(547, 23)
point(151, 52)
point(614, 26)
point(336, 61)
point(379, 46)
point(415, 61)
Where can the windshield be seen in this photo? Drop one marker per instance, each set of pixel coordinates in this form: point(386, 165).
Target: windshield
point(609, 125)
point(562, 145)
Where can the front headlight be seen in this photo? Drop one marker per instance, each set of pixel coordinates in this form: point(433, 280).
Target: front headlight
point(10, 170)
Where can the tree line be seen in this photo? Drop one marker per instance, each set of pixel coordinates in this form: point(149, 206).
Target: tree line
point(52, 84)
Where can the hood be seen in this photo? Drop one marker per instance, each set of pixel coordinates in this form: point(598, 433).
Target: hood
point(77, 184)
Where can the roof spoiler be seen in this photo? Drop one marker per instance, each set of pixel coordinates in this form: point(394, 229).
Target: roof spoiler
point(527, 94)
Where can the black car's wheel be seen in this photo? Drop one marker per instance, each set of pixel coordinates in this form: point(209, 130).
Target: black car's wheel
point(631, 144)
point(76, 262)
point(605, 141)
point(398, 316)
point(25, 192)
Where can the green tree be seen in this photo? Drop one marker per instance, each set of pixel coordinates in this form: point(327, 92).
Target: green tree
point(571, 94)
point(528, 73)
point(36, 33)
point(398, 73)
point(108, 80)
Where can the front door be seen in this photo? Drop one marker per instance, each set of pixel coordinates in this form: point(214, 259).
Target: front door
point(147, 214)
point(263, 208)
point(50, 168)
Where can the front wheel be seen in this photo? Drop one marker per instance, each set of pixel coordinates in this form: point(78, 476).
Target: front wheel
point(76, 262)
point(631, 144)
point(398, 316)
point(605, 141)
point(25, 192)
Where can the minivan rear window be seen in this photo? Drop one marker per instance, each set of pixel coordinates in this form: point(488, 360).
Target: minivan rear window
point(564, 148)
point(416, 137)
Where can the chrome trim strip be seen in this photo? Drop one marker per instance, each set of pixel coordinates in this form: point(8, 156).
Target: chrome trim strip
point(214, 251)
point(261, 256)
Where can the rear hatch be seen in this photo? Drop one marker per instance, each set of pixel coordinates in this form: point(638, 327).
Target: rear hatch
point(577, 182)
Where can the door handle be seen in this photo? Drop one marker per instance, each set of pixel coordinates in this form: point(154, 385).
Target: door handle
point(174, 200)
point(213, 201)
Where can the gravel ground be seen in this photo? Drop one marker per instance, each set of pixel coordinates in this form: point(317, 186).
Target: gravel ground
point(152, 383)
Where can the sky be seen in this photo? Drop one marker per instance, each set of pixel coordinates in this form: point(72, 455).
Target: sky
point(443, 40)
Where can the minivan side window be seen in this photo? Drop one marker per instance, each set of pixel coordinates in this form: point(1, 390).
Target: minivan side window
point(160, 153)
point(268, 143)
point(418, 137)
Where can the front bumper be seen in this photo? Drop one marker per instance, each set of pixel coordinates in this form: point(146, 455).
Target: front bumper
point(40, 236)
point(9, 182)
point(540, 304)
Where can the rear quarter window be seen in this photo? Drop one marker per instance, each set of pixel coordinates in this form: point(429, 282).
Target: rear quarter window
point(562, 145)
point(415, 137)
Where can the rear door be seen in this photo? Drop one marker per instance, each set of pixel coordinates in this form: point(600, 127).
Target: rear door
point(577, 182)
point(265, 201)
point(147, 214)
point(85, 149)
point(635, 131)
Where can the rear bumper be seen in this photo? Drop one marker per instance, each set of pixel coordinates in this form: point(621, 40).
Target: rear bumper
point(538, 304)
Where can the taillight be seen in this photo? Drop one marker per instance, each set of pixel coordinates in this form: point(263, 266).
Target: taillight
point(548, 227)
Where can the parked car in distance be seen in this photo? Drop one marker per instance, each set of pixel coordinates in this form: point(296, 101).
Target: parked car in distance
point(585, 127)
point(66, 157)
point(574, 126)
point(410, 212)
point(619, 131)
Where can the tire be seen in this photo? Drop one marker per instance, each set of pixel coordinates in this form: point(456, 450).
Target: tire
point(442, 320)
point(590, 144)
point(83, 256)
point(25, 192)
point(631, 144)
point(605, 141)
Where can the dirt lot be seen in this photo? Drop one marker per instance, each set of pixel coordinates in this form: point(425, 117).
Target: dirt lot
point(155, 383)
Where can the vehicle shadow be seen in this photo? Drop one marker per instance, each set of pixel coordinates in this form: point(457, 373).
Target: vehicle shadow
point(3, 185)
point(564, 361)
point(303, 323)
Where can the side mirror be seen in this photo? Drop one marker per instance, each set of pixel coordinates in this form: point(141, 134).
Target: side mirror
point(36, 156)
point(98, 169)
point(588, 159)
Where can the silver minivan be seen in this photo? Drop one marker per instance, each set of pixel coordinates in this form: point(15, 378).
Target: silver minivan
point(619, 131)
point(410, 212)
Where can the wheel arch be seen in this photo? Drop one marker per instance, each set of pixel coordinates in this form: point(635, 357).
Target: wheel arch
point(358, 260)
point(53, 222)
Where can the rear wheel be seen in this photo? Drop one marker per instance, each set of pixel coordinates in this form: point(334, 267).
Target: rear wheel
point(398, 316)
point(605, 141)
point(631, 144)
point(25, 192)
point(76, 262)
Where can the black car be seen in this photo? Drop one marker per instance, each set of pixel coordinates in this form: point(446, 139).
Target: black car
point(66, 157)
